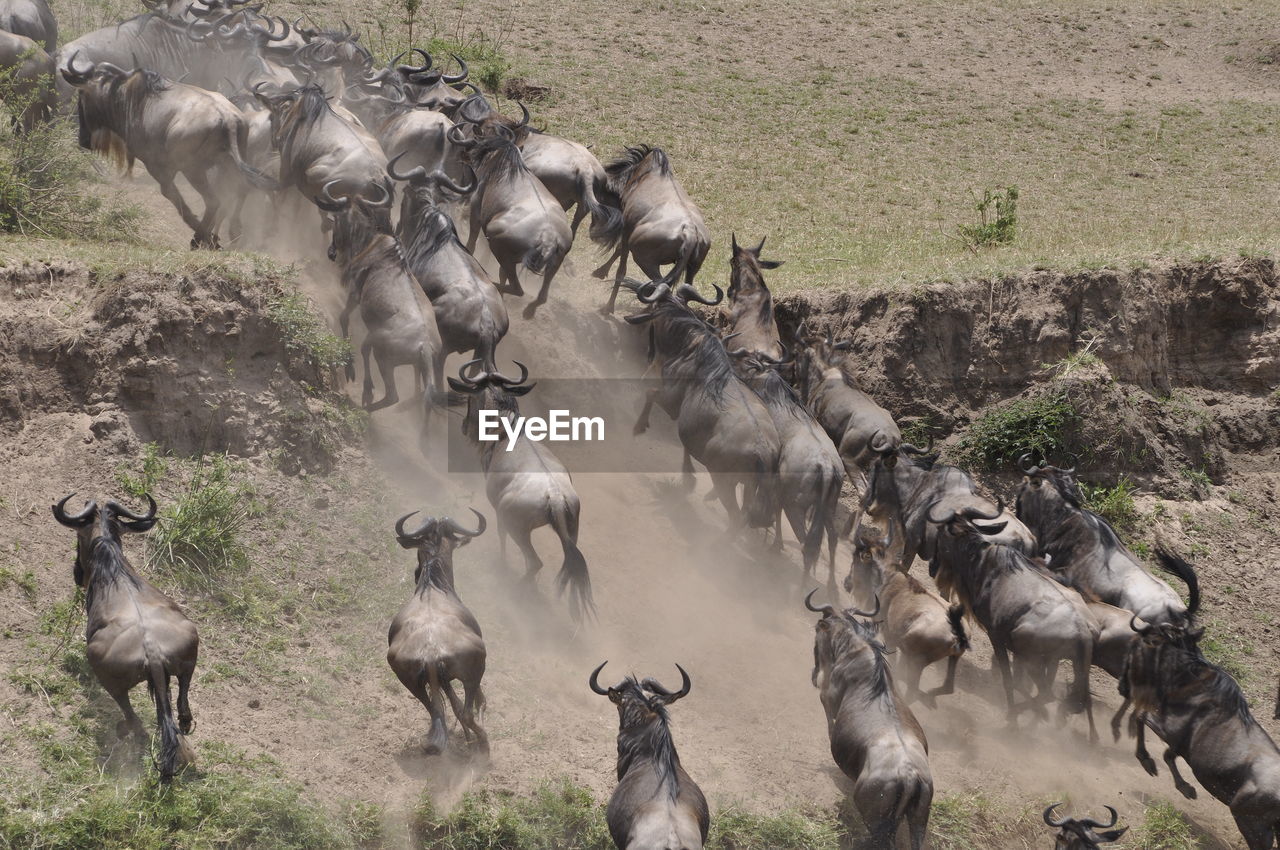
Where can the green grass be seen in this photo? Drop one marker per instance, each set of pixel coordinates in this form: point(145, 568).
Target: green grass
point(1115, 504)
point(1228, 650)
point(997, 219)
point(305, 333)
point(141, 476)
point(1037, 424)
point(1163, 828)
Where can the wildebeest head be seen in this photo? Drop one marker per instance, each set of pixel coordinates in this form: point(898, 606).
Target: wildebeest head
point(435, 539)
point(95, 524)
point(240, 30)
point(1046, 492)
point(872, 555)
point(1083, 834)
point(845, 636)
point(643, 728)
point(488, 390)
point(355, 218)
point(339, 49)
point(745, 268)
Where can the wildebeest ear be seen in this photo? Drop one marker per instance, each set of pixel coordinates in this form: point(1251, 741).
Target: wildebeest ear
point(1112, 834)
point(770, 264)
point(637, 319)
point(521, 390)
point(138, 524)
point(458, 386)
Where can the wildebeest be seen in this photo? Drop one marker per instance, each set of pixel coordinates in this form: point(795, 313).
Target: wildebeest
point(173, 128)
point(1022, 610)
point(902, 486)
point(468, 307)
point(32, 19)
point(751, 318)
point(435, 639)
point(26, 80)
point(656, 806)
point(319, 148)
point(1082, 834)
point(135, 633)
point(1200, 713)
point(429, 87)
point(571, 173)
point(522, 221)
point(918, 623)
point(527, 485)
point(401, 330)
point(860, 428)
point(721, 422)
point(875, 739)
point(659, 224)
point(1083, 546)
point(810, 473)
point(406, 132)
point(240, 41)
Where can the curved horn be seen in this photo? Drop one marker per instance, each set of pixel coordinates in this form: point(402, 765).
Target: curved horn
point(454, 135)
point(271, 29)
point(1024, 459)
point(1142, 630)
point(1093, 824)
point(1048, 816)
point(412, 69)
point(498, 378)
point(400, 523)
point(71, 75)
point(594, 681)
point(472, 383)
point(939, 521)
point(825, 610)
point(120, 510)
point(456, 78)
point(1075, 459)
point(415, 535)
point(74, 520)
point(975, 513)
point(419, 173)
point(654, 294)
point(687, 293)
point(524, 121)
point(385, 201)
point(881, 443)
point(442, 179)
point(854, 612)
point(652, 684)
point(327, 201)
point(203, 26)
point(457, 529)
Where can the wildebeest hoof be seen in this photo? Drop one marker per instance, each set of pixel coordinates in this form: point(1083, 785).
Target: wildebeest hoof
point(1187, 791)
point(187, 726)
point(432, 750)
point(530, 311)
point(640, 428)
point(1149, 765)
point(123, 729)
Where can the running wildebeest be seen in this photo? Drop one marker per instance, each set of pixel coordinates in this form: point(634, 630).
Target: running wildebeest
point(751, 320)
point(134, 632)
point(468, 307)
point(917, 622)
point(174, 129)
point(527, 486)
point(1082, 834)
point(1022, 610)
point(435, 639)
point(875, 739)
point(656, 806)
point(1083, 546)
point(721, 422)
point(1200, 713)
point(659, 224)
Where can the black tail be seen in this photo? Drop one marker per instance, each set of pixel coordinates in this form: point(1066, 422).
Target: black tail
point(823, 520)
point(237, 140)
point(606, 220)
point(573, 575)
point(1187, 573)
point(170, 738)
point(955, 616)
point(438, 737)
point(760, 497)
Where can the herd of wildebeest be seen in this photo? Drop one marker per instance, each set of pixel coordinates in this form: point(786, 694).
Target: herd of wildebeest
point(250, 108)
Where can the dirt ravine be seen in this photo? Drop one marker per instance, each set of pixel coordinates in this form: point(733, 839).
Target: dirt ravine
point(670, 584)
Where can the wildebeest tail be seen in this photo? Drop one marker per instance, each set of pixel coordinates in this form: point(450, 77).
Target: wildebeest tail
point(1187, 573)
point(606, 220)
point(606, 197)
point(438, 737)
point(237, 142)
point(540, 256)
point(171, 743)
point(573, 575)
point(823, 519)
point(955, 616)
point(760, 497)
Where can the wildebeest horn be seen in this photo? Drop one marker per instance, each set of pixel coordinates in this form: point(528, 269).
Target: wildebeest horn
point(74, 520)
point(412, 69)
point(412, 537)
point(457, 529)
point(759, 247)
point(975, 513)
point(938, 520)
point(594, 681)
point(203, 26)
point(71, 75)
point(462, 373)
point(1075, 459)
point(524, 121)
point(384, 201)
point(825, 610)
point(328, 202)
point(1093, 824)
point(881, 442)
point(733, 242)
point(498, 378)
point(1048, 816)
point(271, 28)
point(656, 293)
point(912, 449)
point(455, 137)
point(119, 510)
point(419, 173)
point(687, 293)
point(456, 78)
point(843, 345)
point(1142, 630)
point(442, 179)
point(654, 685)
point(1023, 462)
point(854, 612)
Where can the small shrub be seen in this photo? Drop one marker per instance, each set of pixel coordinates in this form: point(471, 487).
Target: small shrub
point(997, 219)
point(1114, 504)
point(152, 467)
point(1038, 424)
point(305, 334)
point(1163, 828)
point(488, 67)
point(955, 821)
point(736, 829)
point(197, 541)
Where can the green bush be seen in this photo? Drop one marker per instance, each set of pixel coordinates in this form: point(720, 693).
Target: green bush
point(997, 219)
point(488, 67)
point(198, 539)
point(1038, 424)
point(1164, 828)
point(151, 467)
point(736, 829)
point(44, 177)
point(305, 333)
point(1114, 504)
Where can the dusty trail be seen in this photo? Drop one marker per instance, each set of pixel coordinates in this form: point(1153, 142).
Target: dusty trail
point(671, 586)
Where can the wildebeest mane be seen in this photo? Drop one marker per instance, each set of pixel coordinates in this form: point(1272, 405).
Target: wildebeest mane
point(776, 393)
point(1218, 687)
point(697, 345)
point(435, 230)
point(846, 640)
point(647, 736)
point(431, 573)
point(627, 167)
point(499, 158)
point(108, 567)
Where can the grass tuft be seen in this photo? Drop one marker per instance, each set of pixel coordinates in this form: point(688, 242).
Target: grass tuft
point(1037, 424)
point(1114, 504)
point(1164, 828)
point(305, 334)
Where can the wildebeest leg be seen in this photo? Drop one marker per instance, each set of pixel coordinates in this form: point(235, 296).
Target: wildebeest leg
point(530, 310)
point(509, 277)
point(344, 323)
point(1000, 660)
point(1258, 835)
point(207, 235)
point(387, 369)
point(427, 690)
point(171, 194)
point(1140, 751)
point(1117, 717)
point(532, 562)
point(456, 705)
point(130, 724)
point(686, 468)
point(1043, 675)
point(473, 698)
point(502, 538)
point(474, 226)
point(1184, 787)
point(948, 685)
point(642, 423)
point(185, 721)
point(366, 397)
point(912, 668)
point(603, 271)
point(726, 489)
point(579, 213)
